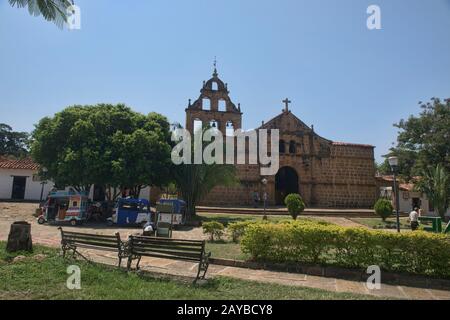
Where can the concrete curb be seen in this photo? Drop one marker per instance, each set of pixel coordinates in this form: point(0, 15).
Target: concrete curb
point(392, 278)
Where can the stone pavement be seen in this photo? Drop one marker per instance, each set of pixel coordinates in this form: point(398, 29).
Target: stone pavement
point(49, 235)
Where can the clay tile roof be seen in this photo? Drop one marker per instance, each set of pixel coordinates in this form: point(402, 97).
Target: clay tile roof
point(337, 143)
point(25, 163)
point(402, 185)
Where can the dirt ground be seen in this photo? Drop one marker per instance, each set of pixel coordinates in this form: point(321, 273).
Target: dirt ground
point(49, 234)
point(16, 211)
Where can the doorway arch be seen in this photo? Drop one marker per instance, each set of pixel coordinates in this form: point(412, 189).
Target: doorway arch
point(286, 182)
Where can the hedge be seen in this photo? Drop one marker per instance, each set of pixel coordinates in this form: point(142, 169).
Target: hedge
point(308, 242)
point(214, 229)
point(237, 229)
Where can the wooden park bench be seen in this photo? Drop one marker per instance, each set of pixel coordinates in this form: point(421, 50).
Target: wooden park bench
point(177, 249)
point(70, 241)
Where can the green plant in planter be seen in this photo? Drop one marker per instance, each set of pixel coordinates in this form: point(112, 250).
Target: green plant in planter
point(294, 204)
point(214, 229)
point(383, 208)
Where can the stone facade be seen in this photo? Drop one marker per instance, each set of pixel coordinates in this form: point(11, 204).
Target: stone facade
point(325, 173)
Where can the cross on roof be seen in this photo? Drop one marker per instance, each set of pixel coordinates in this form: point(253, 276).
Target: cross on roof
point(286, 102)
point(215, 67)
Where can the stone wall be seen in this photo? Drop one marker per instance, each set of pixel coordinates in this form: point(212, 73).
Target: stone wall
point(344, 179)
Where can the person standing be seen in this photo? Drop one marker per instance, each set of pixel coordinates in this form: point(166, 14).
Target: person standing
point(255, 196)
point(414, 218)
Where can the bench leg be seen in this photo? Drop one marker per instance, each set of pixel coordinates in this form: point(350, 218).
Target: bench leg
point(202, 268)
point(63, 248)
point(130, 259)
point(137, 264)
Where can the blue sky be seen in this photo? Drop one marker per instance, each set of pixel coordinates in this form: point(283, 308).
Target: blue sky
point(350, 82)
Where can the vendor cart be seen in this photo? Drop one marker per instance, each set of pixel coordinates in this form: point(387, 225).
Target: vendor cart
point(65, 206)
point(129, 211)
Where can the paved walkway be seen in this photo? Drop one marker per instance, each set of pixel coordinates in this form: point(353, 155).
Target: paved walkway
point(49, 235)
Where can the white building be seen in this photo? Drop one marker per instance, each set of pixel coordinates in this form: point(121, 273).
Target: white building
point(19, 180)
point(409, 197)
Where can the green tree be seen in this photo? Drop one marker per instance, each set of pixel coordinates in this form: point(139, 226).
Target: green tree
point(51, 10)
point(435, 183)
point(109, 145)
point(12, 142)
point(383, 208)
point(195, 181)
point(423, 141)
point(294, 204)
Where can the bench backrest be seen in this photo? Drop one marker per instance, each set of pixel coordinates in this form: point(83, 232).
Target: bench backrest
point(113, 242)
point(191, 250)
point(163, 229)
point(165, 207)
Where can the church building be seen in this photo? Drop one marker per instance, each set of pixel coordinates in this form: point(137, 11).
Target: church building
point(327, 174)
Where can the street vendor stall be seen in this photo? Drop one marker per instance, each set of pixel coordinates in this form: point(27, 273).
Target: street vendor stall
point(171, 211)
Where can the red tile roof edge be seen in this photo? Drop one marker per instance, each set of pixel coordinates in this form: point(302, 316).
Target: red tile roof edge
point(17, 164)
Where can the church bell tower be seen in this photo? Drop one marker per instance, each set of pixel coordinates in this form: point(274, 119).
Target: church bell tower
point(213, 107)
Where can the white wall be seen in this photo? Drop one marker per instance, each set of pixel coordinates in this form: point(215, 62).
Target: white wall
point(32, 188)
point(406, 204)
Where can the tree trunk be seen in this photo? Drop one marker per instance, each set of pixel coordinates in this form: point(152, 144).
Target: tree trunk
point(19, 238)
point(190, 209)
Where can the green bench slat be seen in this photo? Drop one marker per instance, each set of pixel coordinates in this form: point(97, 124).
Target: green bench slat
point(88, 234)
point(170, 252)
point(147, 246)
point(167, 240)
point(156, 255)
point(90, 238)
point(94, 243)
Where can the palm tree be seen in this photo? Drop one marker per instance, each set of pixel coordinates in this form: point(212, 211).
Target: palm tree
point(435, 183)
point(51, 10)
point(195, 181)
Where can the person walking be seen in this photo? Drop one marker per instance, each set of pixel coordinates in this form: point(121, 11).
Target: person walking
point(414, 218)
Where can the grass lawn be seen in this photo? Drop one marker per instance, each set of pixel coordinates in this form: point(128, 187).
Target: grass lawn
point(226, 250)
point(377, 223)
point(45, 278)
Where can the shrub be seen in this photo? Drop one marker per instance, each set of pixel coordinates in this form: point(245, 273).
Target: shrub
point(294, 204)
point(413, 252)
point(237, 229)
point(214, 229)
point(383, 208)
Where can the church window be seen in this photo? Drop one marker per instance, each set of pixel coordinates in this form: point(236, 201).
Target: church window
point(197, 125)
point(282, 147)
point(230, 129)
point(292, 147)
point(206, 104)
point(214, 86)
point(214, 124)
point(222, 105)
